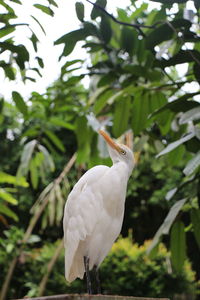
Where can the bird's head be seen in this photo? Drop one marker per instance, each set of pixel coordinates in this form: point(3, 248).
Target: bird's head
point(119, 152)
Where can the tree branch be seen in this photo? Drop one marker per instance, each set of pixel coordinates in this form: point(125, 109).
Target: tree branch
point(30, 228)
point(136, 26)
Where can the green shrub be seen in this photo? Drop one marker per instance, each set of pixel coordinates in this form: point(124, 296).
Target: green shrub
point(127, 270)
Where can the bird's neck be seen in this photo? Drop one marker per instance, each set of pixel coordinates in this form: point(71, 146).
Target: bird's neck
point(124, 169)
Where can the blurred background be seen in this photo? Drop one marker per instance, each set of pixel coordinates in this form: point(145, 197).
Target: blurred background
point(68, 69)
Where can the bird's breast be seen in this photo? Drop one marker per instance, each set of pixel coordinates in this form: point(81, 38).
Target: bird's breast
point(111, 189)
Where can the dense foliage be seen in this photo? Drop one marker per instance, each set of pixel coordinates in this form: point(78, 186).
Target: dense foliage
point(127, 270)
point(51, 139)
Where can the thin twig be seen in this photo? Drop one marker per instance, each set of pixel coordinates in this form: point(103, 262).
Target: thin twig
point(7, 280)
point(182, 40)
point(66, 169)
point(34, 220)
point(180, 83)
point(170, 78)
point(50, 266)
point(137, 26)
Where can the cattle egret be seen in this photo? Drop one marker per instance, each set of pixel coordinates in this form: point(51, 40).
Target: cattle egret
point(94, 212)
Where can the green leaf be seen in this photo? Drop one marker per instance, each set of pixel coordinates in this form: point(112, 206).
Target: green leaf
point(91, 29)
point(165, 32)
point(98, 92)
point(9, 71)
point(22, 56)
point(30, 78)
point(8, 212)
point(58, 122)
point(6, 30)
point(137, 70)
point(20, 104)
point(7, 197)
point(45, 9)
point(178, 246)
point(102, 100)
point(9, 248)
point(106, 79)
point(36, 70)
point(5, 18)
point(25, 158)
point(129, 39)
point(55, 140)
point(171, 193)
point(6, 178)
point(40, 61)
point(192, 165)
point(179, 105)
point(140, 111)
point(17, 1)
point(156, 101)
point(190, 115)
point(42, 197)
point(8, 46)
point(34, 174)
point(51, 207)
point(193, 145)
point(60, 204)
point(140, 10)
point(83, 139)
point(36, 20)
point(138, 146)
point(105, 29)
point(195, 219)
point(175, 144)
point(52, 2)
point(33, 239)
point(176, 156)
point(170, 2)
point(34, 41)
point(80, 11)
point(72, 81)
point(48, 161)
point(121, 116)
point(70, 39)
point(96, 12)
point(183, 56)
point(116, 97)
point(9, 9)
point(122, 15)
point(70, 63)
point(166, 225)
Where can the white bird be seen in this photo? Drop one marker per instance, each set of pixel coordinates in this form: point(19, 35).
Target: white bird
point(94, 212)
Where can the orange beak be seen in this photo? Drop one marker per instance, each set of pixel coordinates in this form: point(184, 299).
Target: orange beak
point(110, 142)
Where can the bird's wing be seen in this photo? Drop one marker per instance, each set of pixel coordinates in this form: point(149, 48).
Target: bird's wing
point(82, 209)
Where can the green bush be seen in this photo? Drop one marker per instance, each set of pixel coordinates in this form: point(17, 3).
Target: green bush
point(127, 270)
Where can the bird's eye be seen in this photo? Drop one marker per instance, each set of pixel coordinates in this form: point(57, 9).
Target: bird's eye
point(123, 152)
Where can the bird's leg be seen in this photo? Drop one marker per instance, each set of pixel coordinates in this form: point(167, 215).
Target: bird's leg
point(87, 271)
point(96, 271)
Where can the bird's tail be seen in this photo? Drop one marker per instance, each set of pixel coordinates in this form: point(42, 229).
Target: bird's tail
point(74, 265)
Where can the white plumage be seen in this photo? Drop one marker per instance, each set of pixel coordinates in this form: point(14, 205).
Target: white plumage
point(94, 211)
